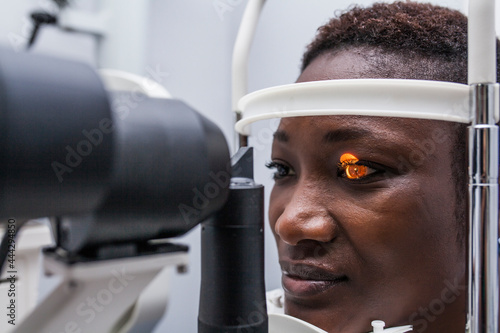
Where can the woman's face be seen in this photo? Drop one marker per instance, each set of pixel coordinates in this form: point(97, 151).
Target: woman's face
point(364, 216)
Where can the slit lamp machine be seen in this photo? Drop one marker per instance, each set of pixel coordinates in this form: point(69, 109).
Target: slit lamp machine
point(117, 185)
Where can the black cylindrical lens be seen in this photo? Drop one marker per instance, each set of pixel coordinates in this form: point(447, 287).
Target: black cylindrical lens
point(171, 171)
point(55, 136)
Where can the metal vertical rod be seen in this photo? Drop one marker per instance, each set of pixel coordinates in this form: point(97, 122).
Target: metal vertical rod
point(483, 169)
point(241, 52)
point(483, 215)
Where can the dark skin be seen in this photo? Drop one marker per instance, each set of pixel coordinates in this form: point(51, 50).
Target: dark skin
point(382, 245)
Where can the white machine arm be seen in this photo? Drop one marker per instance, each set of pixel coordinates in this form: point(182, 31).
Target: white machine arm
point(99, 296)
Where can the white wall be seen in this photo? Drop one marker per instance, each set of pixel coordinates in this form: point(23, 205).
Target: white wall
point(190, 43)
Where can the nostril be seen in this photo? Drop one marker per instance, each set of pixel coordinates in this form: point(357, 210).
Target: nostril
point(310, 249)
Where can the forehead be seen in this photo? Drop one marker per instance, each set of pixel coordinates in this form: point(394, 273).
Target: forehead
point(343, 64)
point(327, 129)
point(398, 134)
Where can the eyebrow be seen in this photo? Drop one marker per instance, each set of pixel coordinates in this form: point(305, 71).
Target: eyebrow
point(281, 136)
point(339, 135)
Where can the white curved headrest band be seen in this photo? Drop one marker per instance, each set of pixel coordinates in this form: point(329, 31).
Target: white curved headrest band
point(367, 97)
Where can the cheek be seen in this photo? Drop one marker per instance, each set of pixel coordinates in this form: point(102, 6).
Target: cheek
point(402, 224)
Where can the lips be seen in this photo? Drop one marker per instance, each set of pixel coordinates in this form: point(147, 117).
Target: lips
point(303, 280)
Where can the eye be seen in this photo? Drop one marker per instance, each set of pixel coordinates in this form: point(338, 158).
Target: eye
point(354, 171)
point(352, 168)
point(282, 170)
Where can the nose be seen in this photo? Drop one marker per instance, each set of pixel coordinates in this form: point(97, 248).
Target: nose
point(306, 216)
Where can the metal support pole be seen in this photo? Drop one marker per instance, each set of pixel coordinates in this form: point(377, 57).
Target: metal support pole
point(241, 53)
point(483, 214)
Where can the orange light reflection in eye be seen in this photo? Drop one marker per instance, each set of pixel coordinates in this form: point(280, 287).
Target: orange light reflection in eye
point(352, 170)
point(348, 158)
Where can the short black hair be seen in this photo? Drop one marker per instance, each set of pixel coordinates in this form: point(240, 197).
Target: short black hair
point(412, 30)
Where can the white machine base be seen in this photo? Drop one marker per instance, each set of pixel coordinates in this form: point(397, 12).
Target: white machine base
point(105, 296)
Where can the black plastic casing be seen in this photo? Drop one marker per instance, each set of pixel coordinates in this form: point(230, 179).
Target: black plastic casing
point(232, 296)
point(171, 171)
point(48, 166)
